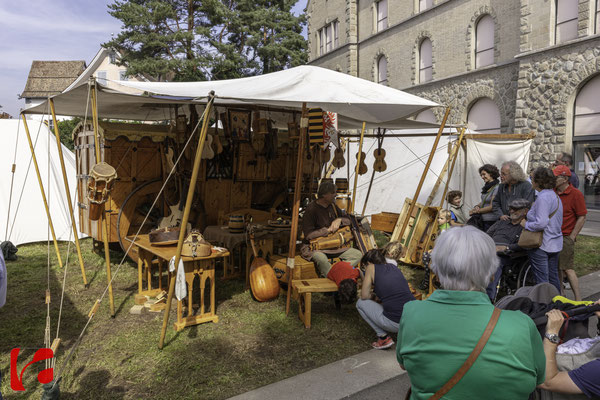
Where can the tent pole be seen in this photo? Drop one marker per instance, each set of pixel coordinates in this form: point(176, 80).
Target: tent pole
point(37, 171)
point(67, 191)
point(186, 214)
point(368, 192)
point(453, 153)
point(360, 147)
point(103, 223)
point(420, 185)
point(296, 206)
point(454, 157)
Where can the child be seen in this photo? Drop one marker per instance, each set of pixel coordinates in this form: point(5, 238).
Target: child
point(392, 252)
point(443, 219)
point(345, 276)
point(459, 217)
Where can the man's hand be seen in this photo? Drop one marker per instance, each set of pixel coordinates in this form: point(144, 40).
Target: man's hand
point(505, 217)
point(335, 225)
point(555, 321)
point(573, 237)
point(501, 248)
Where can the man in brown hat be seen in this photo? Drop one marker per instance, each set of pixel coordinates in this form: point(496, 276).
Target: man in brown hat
point(574, 212)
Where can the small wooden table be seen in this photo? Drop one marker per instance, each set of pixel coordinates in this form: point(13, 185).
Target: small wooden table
point(204, 267)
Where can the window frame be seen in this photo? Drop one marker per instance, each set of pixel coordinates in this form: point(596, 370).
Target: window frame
point(477, 50)
point(557, 24)
point(597, 18)
point(426, 7)
point(385, 81)
point(383, 23)
point(102, 80)
point(328, 38)
point(430, 67)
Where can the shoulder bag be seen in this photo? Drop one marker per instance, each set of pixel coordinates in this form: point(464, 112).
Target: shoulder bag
point(533, 240)
point(470, 360)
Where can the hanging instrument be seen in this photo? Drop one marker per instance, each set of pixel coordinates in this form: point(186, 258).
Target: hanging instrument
point(338, 155)
point(379, 165)
point(101, 182)
point(362, 167)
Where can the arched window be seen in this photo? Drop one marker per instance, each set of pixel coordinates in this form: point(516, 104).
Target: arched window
point(587, 109)
point(425, 61)
point(382, 70)
point(484, 42)
point(484, 116)
point(426, 116)
point(567, 12)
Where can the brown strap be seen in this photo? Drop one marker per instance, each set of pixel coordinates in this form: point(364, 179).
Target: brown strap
point(472, 357)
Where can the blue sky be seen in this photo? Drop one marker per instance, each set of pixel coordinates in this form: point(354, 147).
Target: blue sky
point(56, 30)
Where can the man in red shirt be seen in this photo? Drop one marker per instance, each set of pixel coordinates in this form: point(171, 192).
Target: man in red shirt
point(574, 212)
point(345, 276)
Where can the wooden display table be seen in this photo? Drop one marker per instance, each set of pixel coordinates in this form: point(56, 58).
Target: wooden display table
point(204, 267)
point(305, 288)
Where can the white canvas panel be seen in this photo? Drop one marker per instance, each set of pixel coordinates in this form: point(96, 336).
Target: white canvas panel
point(27, 221)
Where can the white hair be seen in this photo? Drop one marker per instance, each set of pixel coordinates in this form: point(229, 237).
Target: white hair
point(464, 258)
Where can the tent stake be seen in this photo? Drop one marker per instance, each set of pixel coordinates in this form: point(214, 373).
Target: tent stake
point(360, 147)
point(398, 233)
point(68, 192)
point(186, 214)
point(103, 223)
point(296, 207)
point(37, 171)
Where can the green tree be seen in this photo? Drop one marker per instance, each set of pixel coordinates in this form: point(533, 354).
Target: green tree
point(65, 128)
point(188, 40)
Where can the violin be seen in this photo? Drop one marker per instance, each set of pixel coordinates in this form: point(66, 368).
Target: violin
point(338, 156)
point(362, 167)
point(379, 165)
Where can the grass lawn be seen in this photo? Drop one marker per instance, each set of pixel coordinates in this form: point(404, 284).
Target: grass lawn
point(587, 255)
point(252, 345)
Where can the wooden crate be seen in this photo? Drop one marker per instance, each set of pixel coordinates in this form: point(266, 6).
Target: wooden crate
point(303, 269)
point(420, 234)
point(384, 221)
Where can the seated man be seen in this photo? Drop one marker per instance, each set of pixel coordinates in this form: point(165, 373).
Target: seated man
point(585, 379)
point(506, 236)
point(321, 218)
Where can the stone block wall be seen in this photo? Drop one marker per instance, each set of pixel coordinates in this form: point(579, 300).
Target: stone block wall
point(547, 85)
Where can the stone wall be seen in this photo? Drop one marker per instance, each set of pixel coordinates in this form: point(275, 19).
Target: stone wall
point(547, 86)
point(496, 83)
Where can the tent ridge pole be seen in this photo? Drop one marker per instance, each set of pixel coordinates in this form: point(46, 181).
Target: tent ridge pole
point(43, 192)
point(67, 191)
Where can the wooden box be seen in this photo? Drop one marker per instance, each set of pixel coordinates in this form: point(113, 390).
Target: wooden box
point(303, 269)
point(384, 221)
point(420, 233)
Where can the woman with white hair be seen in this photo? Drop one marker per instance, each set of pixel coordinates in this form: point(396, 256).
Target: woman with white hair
point(437, 335)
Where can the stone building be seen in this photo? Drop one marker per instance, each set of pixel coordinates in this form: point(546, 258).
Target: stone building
point(509, 66)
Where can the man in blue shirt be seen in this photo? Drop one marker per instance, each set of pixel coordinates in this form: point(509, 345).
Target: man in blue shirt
point(567, 159)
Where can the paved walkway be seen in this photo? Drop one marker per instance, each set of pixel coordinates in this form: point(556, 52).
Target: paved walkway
point(373, 374)
point(592, 224)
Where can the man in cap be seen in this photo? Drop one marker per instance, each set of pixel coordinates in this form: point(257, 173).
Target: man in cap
point(567, 160)
point(574, 212)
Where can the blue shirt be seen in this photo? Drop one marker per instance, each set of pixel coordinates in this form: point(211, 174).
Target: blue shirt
point(538, 220)
point(587, 378)
point(2, 280)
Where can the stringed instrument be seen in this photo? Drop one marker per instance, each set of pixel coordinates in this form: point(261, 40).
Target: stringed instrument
point(338, 156)
point(379, 165)
point(362, 167)
point(333, 240)
point(217, 147)
point(207, 151)
point(263, 281)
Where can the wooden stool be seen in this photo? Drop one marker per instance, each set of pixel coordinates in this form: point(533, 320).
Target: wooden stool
point(304, 288)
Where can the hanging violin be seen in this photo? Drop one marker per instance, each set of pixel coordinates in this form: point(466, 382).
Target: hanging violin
point(379, 165)
point(362, 167)
point(338, 155)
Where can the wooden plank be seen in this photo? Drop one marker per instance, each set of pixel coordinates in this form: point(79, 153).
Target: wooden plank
point(318, 285)
point(384, 221)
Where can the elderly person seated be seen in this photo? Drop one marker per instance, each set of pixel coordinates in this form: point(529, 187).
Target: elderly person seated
point(505, 235)
point(437, 335)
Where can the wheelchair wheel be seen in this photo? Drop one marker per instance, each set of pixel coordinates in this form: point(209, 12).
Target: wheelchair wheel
point(525, 275)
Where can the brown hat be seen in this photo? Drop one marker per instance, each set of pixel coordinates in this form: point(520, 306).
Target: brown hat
point(561, 170)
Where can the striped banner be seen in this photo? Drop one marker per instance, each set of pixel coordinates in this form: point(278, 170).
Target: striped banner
point(316, 126)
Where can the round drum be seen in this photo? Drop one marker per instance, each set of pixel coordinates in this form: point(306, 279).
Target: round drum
point(343, 201)
point(101, 182)
point(237, 224)
point(342, 185)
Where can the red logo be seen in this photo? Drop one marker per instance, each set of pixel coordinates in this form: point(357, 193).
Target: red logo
point(45, 376)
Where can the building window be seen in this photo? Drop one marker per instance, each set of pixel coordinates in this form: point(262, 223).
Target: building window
point(101, 77)
point(425, 61)
point(597, 16)
point(484, 42)
point(382, 15)
point(382, 70)
point(425, 4)
point(123, 75)
point(567, 12)
point(587, 109)
point(484, 116)
point(328, 37)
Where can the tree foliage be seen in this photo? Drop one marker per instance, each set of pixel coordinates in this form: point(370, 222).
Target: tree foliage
point(188, 40)
point(65, 128)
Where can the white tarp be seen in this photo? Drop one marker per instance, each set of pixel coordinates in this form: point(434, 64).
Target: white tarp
point(354, 99)
point(27, 221)
point(406, 158)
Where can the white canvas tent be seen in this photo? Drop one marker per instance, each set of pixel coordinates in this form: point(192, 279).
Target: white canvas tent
point(27, 221)
point(406, 158)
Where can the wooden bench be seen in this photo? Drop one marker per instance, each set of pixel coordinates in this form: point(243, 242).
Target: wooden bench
point(304, 288)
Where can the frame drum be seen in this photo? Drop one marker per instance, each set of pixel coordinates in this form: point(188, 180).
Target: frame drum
point(101, 182)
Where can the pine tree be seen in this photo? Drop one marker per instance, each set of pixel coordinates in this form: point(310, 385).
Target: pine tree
point(188, 40)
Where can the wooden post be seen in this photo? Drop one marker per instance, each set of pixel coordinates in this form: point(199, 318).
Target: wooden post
point(186, 214)
point(368, 192)
point(37, 171)
point(296, 205)
point(451, 156)
point(103, 223)
point(398, 233)
point(67, 191)
point(455, 156)
point(360, 146)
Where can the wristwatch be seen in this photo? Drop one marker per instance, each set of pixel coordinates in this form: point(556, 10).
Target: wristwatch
point(552, 337)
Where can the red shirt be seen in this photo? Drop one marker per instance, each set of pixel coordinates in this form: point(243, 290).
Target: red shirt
point(342, 270)
point(573, 208)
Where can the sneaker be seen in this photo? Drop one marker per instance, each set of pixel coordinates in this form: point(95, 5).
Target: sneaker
point(382, 344)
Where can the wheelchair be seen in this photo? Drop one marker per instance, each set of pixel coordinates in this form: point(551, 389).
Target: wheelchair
point(517, 273)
